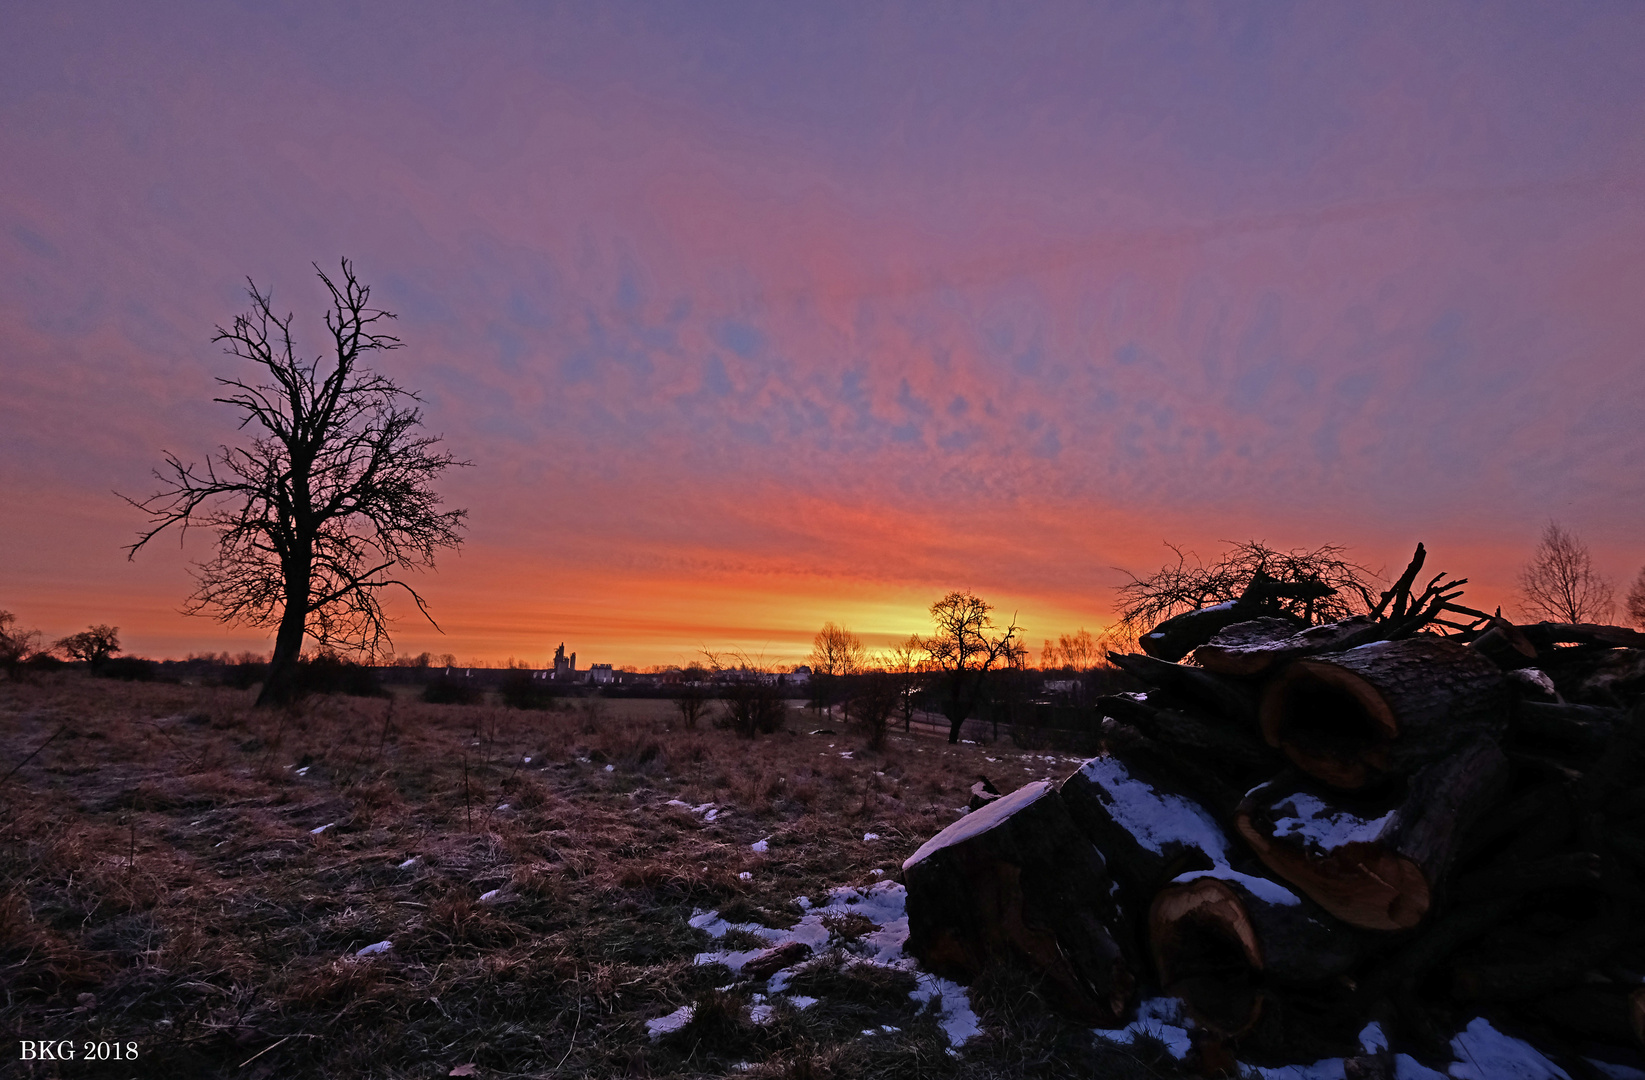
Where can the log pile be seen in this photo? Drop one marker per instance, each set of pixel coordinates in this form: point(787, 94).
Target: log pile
point(1417, 816)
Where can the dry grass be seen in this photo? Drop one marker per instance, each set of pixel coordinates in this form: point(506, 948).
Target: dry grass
point(161, 881)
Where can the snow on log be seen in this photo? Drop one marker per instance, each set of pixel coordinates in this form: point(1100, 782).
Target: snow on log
point(1257, 647)
point(1220, 939)
point(1374, 864)
point(1388, 708)
point(1019, 877)
point(1149, 828)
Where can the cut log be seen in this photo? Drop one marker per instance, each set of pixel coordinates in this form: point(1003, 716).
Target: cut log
point(1186, 729)
point(1019, 878)
point(1254, 648)
point(774, 959)
point(1385, 709)
point(1375, 865)
point(1219, 938)
point(1225, 697)
point(1584, 728)
point(1505, 645)
point(1180, 635)
point(1533, 684)
point(1545, 635)
point(1607, 1013)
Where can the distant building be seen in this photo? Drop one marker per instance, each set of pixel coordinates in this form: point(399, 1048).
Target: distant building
point(800, 676)
point(564, 669)
point(600, 673)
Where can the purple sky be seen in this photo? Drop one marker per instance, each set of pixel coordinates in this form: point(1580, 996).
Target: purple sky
point(753, 316)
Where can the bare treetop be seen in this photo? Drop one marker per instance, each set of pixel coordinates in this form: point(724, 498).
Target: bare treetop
point(1560, 583)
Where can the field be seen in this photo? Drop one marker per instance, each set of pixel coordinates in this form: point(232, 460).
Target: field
point(194, 879)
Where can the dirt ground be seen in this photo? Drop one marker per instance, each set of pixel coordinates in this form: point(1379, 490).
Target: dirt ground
point(193, 879)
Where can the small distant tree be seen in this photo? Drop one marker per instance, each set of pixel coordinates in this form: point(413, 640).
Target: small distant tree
point(1187, 585)
point(691, 694)
point(94, 645)
point(878, 695)
point(906, 664)
point(963, 648)
point(16, 645)
point(836, 656)
point(1560, 584)
point(1636, 601)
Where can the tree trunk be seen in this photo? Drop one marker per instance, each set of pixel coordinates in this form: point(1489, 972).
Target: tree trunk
point(1376, 865)
point(1230, 747)
point(1231, 699)
point(1385, 709)
point(280, 687)
point(1018, 878)
point(1219, 938)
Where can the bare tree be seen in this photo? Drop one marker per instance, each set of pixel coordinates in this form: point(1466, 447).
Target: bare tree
point(965, 646)
point(691, 694)
point(93, 645)
point(1342, 588)
point(1636, 600)
point(1560, 583)
point(906, 663)
point(836, 656)
point(330, 498)
point(16, 645)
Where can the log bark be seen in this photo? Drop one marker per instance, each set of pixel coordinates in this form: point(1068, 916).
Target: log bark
point(1225, 697)
point(1186, 729)
point(1386, 709)
point(1586, 729)
point(1019, 878)
point(1608, 1013)
point(1378, 865)
point(1220, 939)
point(1255, 648)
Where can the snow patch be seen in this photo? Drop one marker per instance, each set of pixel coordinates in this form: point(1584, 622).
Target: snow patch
point(321, 829)
point(760, 847)
point(870, 837)
point(409, 863)
point(667, 1025)
point(1484, 1053)
point(1159, 1018)
point(373, 950)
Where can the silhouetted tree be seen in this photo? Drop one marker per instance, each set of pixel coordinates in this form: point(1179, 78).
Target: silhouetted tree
point(1560, 583)
point(965, 646)
point(16, 645)
point(329, 498)
point(94, 645)
point(1636, 601)
point(691, 695)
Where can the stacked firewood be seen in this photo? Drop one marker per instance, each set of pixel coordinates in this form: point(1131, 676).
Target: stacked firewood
point(1415, 816)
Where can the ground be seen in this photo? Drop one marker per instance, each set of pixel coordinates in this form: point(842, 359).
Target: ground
point(191, 878)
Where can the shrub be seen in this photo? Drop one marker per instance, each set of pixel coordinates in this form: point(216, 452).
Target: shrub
point(446, 690)
point(521, 691)
point(329, 673)
point(752, 708)
point(128, 668)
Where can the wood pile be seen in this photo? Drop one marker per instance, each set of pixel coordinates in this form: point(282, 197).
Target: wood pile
point(1416, 816)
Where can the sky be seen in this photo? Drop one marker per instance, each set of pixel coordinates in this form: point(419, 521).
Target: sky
point(754, 316)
